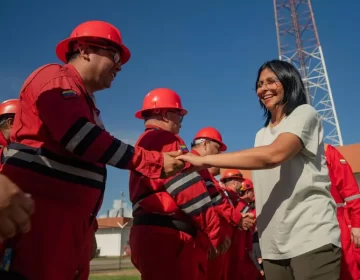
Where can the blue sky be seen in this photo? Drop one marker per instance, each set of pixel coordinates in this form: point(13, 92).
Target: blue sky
point(208, 52)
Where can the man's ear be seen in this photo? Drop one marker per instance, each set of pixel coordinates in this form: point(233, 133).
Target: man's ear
point(9, 122)
point(85, 51)
point(206, 145)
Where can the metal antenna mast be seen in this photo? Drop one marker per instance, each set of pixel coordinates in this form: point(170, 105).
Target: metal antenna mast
point(299, 44)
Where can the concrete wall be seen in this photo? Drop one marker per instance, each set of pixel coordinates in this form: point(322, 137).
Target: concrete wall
point(111, 242)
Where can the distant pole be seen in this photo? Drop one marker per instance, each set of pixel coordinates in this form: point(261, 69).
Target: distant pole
point(121, 231)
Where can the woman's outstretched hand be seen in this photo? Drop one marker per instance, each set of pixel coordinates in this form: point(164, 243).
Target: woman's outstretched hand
point(194, 160)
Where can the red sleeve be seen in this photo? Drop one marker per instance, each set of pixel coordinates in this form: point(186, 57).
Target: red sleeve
point(188, 189)
point(342, 176)
point(66, 119)
point(226, 210)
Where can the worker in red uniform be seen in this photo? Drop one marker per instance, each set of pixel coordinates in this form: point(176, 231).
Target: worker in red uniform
point(8, 110)
point(251, 270)
point(60, 151)
point(232, 180)
point(7, 113)
point(346, 194)
point(174, 220)
point(247, 192)
point(208, 141)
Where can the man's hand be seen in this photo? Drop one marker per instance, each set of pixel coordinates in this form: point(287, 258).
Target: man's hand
point(171, 164)
point(247, 221)
point(212, 253)
point(355, 236)
point(16, 208)
point(222, 248)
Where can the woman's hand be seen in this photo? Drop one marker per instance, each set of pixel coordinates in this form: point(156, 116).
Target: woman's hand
point(194, 160)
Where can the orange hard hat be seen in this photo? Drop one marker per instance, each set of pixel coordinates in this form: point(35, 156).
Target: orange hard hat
point(94, 30)
point(246, 185)
point(212, 134)
point(161, 98)
point(231, 174)
point(9, 107)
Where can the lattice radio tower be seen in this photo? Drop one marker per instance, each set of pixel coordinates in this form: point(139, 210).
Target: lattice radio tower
point(299, 44)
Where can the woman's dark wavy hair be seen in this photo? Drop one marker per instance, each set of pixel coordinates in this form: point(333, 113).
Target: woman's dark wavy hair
point(290, 79)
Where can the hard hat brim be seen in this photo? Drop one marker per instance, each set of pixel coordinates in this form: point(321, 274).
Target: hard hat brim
point(138, 114)
point(62, 49)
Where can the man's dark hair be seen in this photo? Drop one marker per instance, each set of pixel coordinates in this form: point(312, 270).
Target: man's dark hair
point(3, 120)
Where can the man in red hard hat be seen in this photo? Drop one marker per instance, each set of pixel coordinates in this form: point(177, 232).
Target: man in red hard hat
point(346, 194)
point(7, 113)
point(61, 150)
point(20, 212)
point(252, 270)
point(208, 141)
point(174, 218)
point(247, 192)
point(232, 180)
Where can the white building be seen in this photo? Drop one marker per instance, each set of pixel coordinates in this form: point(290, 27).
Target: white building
point(113, 236)
point(113, 233)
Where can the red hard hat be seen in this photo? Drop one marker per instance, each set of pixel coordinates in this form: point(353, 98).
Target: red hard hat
point(94, 30)
point(161, 98)
point(212, 134)
point(231, 174)
point(9, 107)
point(246, 185)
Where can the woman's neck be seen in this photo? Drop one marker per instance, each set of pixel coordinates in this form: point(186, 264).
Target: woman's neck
point(277, 114)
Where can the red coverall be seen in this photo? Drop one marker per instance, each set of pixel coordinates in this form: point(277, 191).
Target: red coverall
point(3, 140)
point(173, 218)
point(3, 143)
point(345, 190)
point(59, 157)
point(229, 218)
point(241, 244)
point(249, 271)
point(84, 268)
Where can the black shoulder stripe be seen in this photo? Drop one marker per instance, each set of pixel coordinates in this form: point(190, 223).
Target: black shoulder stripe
point(110, 151)
point(88, 140)
point(74, 129)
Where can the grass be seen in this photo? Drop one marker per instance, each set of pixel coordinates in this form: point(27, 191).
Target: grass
point(108, 258)
point(104, 277)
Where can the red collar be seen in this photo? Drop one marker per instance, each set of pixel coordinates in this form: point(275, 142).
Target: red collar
point(76, 75)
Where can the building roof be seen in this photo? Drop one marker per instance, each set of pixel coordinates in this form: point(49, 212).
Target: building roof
point(113, 222)
point(350, 152)
point(352, 155)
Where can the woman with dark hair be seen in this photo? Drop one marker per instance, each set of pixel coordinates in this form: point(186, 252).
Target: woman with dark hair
point(296, 215)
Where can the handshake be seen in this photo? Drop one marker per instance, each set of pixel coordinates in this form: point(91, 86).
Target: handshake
point(248, 221)
point(175, 161)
